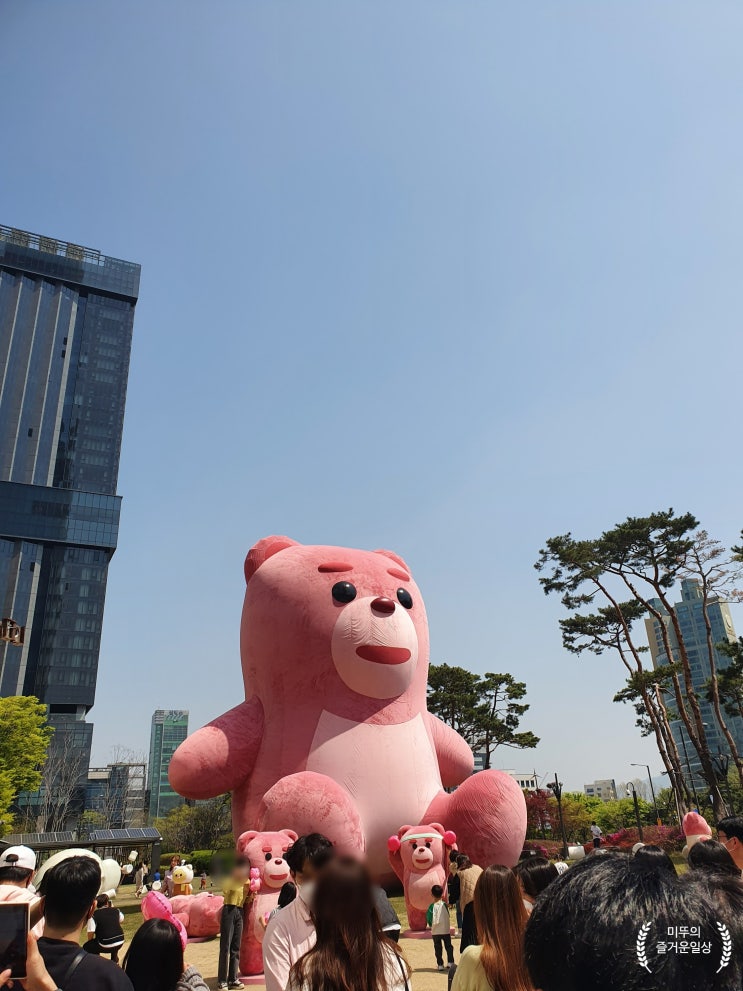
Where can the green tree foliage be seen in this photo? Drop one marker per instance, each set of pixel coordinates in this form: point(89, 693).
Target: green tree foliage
point(24, 741)
point(205, 826)
point(612, 582)
point(485, 709)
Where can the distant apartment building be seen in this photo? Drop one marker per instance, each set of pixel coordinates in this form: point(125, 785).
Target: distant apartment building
point(117, 794)
point(604, 788)
point(169, 730)
point(690, 612)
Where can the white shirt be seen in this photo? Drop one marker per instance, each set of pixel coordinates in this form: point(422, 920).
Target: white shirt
point(393, 975)
point(289, 934)
point(91, 923)
point(596, 830)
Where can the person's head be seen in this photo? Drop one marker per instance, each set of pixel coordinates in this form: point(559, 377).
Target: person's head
point(725, 891)
point(438, 892)
point(534, 875)
point(453, 857)
point(593, 823)
point(17, 866)
point(70, 890)
point(713, 857)
point(583, 933)
point(308, 855)
point(154, 961)
point(287, 894)
point(500, 918)
point(102, 901)
point(463, 862)
point(730, 834)
point(350, 947)
point(653, 858)
point(175, 862)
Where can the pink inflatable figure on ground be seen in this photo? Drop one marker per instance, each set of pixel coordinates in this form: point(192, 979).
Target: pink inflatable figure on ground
point(419, 856)
point(195, 916)
point(268, 873)
point(334, 735)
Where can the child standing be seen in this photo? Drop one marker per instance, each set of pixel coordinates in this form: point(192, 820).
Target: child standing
point(437, 920)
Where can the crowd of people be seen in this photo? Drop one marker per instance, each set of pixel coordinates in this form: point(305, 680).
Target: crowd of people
point(614, 921)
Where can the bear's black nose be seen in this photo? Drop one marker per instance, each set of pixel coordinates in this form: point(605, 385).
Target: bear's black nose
point(383, 605)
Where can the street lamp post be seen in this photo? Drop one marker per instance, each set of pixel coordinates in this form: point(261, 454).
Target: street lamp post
point(631, 787)
point(652, 792)
point(556, 788)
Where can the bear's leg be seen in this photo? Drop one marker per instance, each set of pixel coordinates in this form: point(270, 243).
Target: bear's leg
point(251, 949)
point(308, 802)
point(488, 814)
point(417, 921)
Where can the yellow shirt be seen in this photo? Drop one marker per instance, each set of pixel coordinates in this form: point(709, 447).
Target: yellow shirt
point(234, 892)
point(470, 975)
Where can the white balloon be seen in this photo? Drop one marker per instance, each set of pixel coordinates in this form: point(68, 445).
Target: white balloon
point(110, 870)
point(133, 856)
point(156, 885)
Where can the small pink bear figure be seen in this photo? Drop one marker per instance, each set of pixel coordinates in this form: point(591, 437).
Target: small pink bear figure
point(268, 873)
point(419, 855)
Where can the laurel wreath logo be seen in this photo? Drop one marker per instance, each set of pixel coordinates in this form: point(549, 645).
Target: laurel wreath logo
point(642, 957)
point(727, 945)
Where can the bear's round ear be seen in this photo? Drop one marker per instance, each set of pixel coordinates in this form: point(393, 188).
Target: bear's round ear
point(394, 557)
point(263, 550)
point(450, 838)
point(290, 834)
point(402, 831)
point(245, 838)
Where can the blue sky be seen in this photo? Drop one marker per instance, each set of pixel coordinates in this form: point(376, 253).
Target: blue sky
point(446, 278)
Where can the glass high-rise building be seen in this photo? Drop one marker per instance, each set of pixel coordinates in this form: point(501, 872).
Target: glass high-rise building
point(66, 318)
point(690, 614)
point(169, 730)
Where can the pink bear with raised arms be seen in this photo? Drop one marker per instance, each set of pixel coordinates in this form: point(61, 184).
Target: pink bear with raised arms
point(334, 735)
point(419, 856)
point(265, 852)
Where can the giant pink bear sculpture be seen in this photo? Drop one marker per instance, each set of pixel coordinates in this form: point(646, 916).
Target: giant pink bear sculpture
point(334, 735)
point(419, 855)
point(265, 852)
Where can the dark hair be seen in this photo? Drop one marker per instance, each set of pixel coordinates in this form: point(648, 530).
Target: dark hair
point(15, 875)
point(70, 888)
point(535, 874)
point(500, 918)
point(583, 932)
point(287, 894)
point(653, 858)
point(351, 949)
point(314, 849)
point(463, 862)
point(731, 826)
point(453, 856)
point(712, 856)
point(102, 900)
point(726, 894)
point(437, 891)
point(154, 961)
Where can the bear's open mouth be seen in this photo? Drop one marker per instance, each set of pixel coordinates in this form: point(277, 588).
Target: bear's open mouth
point(278, 877)
point(383, 655)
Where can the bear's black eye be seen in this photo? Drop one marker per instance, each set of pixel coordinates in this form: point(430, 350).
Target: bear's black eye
point(405, 598)
point(269, 856)
point(344, 592)
point(428, 844)
point(413, 843)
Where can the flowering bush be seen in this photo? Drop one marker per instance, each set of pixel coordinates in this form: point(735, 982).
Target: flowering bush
point(543, 848)
point(668, 838)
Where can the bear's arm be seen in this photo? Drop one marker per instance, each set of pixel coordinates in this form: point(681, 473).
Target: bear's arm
point(456, 762)
point(221, 755)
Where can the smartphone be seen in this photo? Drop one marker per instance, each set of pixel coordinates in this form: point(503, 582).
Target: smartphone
point(14, 920)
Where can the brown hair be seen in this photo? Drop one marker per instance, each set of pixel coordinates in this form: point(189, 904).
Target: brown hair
point(501, 919)
point(351, 952)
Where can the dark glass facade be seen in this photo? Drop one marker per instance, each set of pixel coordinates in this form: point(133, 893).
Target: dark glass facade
point(66, 319)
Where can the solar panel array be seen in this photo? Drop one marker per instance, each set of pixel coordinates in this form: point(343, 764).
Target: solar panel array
point(35, 839)
point(119, 835)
